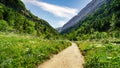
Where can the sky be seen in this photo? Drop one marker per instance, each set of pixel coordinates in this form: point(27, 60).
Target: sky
point(55, 12)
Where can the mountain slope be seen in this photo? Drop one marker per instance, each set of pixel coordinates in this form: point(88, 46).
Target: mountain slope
point(17, 18)
point(91, 7)
point(103, 23)
point(58, 29)
point(16, 4)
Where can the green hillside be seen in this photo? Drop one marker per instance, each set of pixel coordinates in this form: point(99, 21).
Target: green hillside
point(14, 17)
point(98, 36)
point(26, 41)
point(15, 4)
point(103, 23)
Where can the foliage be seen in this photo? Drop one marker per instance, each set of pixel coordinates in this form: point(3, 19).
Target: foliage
point(3, 25)
point(25, 51)
point(16, 4)
point(21, 20)
point(101, 54)
point(104, 22)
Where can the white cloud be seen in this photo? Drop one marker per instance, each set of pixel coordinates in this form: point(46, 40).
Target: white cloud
point(60, 11)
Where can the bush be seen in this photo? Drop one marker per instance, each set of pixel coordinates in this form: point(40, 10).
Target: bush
point(30, 30)
point(3, 25)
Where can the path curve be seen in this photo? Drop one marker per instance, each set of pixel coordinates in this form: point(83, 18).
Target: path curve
point(71, 57)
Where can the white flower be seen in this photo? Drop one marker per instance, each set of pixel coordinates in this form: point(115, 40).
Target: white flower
point(109, 57)
point(27, 49)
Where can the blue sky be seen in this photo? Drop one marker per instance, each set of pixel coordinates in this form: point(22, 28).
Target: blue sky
point(55, 12)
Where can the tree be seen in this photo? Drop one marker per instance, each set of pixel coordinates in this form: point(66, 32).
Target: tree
point(114, 21)
point(1, 12)
point(28, 26)
point(10, 17)
point(3, 25)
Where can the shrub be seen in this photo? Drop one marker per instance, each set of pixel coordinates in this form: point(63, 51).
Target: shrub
point(3, 25)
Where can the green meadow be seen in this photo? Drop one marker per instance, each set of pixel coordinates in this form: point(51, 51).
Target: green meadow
point(101, 54)
point(25, 51)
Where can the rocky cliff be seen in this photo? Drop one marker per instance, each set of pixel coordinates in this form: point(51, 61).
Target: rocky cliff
point(91, 7)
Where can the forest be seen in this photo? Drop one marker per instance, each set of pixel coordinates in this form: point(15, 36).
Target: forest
point(103, 23)
point(16, 18)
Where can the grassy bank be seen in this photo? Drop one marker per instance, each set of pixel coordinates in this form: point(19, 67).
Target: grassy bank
point(23, 51)
point(101, 54)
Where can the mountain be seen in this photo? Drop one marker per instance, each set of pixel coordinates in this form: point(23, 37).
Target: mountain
point(14, 17)
point(15, 4)
point(104, 22)
point(58, 29)
point(91, 7)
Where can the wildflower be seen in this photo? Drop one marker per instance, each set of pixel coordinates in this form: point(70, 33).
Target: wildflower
point(109, 57)
point(27, 49)
point(100, 45)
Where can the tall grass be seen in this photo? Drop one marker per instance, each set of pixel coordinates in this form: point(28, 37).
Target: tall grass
point(101, 55)
point(18, 51)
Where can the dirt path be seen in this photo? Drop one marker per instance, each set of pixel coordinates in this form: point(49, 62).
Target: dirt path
point(68, 58)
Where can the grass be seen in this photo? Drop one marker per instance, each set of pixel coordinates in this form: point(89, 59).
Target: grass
point(101, 54)
point(24, 51)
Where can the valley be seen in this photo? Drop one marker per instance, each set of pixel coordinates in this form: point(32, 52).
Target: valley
point(91, 39)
